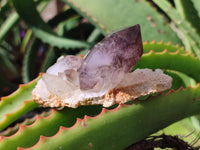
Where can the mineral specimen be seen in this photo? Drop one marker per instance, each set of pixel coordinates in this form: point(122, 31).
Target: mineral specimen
point(102, 77)
point(111, 58)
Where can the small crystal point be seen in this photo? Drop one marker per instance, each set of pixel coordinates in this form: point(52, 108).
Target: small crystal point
point(104, 67)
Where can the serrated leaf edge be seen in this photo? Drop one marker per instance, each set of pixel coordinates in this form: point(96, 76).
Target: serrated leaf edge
point(104, 110)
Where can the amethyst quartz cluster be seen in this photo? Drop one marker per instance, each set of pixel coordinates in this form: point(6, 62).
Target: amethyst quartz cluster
point(103, 76)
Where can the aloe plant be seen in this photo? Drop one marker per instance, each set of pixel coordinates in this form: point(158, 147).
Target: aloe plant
point(174, 47)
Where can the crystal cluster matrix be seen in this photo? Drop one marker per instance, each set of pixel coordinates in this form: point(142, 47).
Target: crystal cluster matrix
point(103, 76)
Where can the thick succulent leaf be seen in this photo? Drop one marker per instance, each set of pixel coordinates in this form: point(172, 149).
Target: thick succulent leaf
point(47, 126)
point(185, 130)
point(180, 79)
point(62, 16)
point(189, 32)
point(185, 63)
point(188, 81)
point(161, 46)
point(41, 29)
point(28, 67)
point(127, 121)
point(188, 12)
point(177, 82)
point(27, 121)
point(155, 46)
point(17, 104)
point(114, 15)
point(8, 24)
point(64, 26)
point(67, 117)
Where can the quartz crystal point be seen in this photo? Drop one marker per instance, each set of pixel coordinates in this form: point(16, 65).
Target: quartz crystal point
point(102, 77)
point(110, 59)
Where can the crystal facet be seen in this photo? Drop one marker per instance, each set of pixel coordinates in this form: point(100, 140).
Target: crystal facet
point(114, 56)
point(102, 77)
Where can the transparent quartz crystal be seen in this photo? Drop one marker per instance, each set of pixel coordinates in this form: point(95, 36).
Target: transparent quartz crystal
point(103, 76)
point(108, 61)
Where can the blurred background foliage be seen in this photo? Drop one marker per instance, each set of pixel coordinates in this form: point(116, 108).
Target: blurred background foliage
point(33, 34)
point(23, 55)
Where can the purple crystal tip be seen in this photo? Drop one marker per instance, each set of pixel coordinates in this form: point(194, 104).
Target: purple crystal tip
point(111, 58)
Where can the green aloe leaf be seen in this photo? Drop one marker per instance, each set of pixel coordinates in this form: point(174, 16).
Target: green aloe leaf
point(185, 130)
point(27, 122)
point(29, 60)
point(188, 81)
point(185, 63)
point(17, 104)
point(41, 29)
point(8, 24)
point(131, 123)
point(177, 82)
point(127, 121)
point(188, 12)
point(47, 126)
point(161, 46)
point(189, 32)
point(113, 15)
